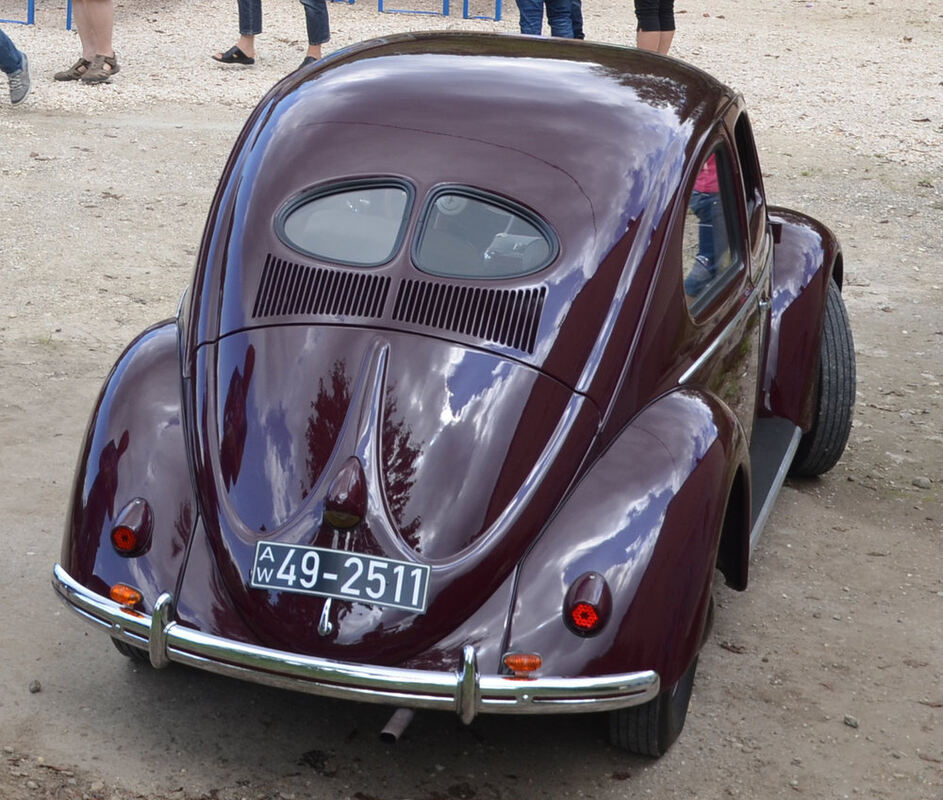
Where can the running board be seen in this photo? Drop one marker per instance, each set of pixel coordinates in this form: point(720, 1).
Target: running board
point(772, 447)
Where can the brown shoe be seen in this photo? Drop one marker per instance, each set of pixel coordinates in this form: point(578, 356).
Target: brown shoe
point(101, 69)
point(75, 72)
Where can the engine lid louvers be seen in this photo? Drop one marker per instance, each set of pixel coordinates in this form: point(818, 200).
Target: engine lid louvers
point(505, 316)
point(288, 289)
point(508, 317)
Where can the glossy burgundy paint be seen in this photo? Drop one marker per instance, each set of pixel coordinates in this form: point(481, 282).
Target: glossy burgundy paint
point(511, 472)
point(805, 258)
point(134, 448)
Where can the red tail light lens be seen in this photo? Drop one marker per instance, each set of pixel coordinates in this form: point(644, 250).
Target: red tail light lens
point(124, 539)
point(131, 533)
point(584, 616)
point(588, 604)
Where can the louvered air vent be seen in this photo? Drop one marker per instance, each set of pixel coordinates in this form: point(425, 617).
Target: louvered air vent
point(505, 316)
point(287, 289)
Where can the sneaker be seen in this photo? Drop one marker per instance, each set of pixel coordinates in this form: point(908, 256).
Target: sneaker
point(20, 82)
point(308, 60)
point(701, 274)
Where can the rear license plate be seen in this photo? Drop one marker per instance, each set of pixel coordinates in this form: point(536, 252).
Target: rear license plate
point(341, 574)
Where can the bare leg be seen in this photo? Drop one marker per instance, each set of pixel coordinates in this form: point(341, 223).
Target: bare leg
point(656, 41)
point(647, 40)
point(247, 45)
point(80, 12)
point(99, 27)
point(314, 51)
point(664, 41)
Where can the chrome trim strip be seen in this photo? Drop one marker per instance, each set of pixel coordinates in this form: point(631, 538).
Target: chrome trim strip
point(729, 328)
point(467, 692)
point(774, 488)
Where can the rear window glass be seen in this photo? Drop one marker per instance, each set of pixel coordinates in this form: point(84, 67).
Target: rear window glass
point(468, 235)
point(360, 225)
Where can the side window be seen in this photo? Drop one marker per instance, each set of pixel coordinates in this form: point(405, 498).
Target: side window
point(752, 179)
point(710, 230)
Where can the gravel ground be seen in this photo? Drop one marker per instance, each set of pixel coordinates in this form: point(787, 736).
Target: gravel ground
point(824, 679)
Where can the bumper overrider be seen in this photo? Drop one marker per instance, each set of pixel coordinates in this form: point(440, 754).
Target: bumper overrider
point(467, 692)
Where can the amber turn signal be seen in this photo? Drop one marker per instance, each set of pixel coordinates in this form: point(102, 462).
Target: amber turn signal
point(125, 595)
point(522, 664)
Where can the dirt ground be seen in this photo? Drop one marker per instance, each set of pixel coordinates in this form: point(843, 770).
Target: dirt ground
point(824, 679)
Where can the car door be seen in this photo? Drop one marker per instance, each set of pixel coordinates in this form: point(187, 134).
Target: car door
point(726, 306)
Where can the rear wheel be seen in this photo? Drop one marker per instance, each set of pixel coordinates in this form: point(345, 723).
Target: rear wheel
point(130, 651)
point(650, 729)
point(820, 448)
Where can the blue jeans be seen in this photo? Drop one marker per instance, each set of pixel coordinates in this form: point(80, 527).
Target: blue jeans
point(250, 19)
point(319, 30)
point(576, 15)
point(558, 15)
point(11, 59)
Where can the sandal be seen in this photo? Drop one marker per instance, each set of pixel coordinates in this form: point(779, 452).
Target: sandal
point(233, 56)
point(101, 69)
point(75, 72)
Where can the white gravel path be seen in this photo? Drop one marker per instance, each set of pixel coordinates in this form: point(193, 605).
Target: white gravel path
point(871, 71)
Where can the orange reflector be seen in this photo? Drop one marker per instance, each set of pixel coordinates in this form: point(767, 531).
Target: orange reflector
point(584, 616)
point(126, 595)
point(522, 664)
point(124, 539)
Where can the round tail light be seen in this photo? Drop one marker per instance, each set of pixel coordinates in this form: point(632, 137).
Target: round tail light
point(131, 533)
point(588, 604)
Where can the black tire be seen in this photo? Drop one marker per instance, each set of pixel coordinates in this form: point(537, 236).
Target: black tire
point(132, 652)
point(650, 729)
point(820, 448)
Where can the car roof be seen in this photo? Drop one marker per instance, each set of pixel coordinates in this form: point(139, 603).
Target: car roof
point(610, 119)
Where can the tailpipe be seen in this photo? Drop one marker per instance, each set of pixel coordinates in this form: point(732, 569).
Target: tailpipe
point(397, 725)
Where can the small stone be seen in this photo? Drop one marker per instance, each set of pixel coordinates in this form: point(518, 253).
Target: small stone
point(851, 721)
point(32, 785)
point(922, 482)
point(35, 687)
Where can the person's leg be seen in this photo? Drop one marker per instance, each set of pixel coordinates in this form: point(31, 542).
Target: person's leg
point(99, 29)
point(558, 15)
point(250, 26)
point(666, 25)
point(81, 24)
point(532, 16)
point(318, 27)
point(11, 59)
point(99, 26)
point(648, 34)
point(576, 17)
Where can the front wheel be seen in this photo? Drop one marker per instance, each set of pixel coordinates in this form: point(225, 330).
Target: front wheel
point(821, 447)
point(650, 729)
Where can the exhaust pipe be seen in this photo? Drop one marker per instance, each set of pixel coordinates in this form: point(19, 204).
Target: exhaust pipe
point(397, 724)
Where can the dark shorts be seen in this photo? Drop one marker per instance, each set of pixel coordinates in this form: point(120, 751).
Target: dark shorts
point(655, 15)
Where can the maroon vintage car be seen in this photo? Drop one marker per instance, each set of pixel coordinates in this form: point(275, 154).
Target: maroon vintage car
point(494, 352)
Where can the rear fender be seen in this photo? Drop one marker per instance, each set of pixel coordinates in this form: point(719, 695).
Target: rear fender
point(807, 255)
point(648, 517)
point(134, 448)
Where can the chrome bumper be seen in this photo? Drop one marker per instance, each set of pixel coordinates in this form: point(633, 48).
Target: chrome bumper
point(466, 692)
